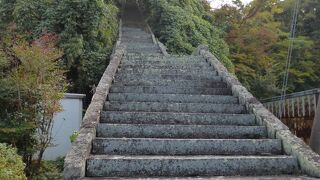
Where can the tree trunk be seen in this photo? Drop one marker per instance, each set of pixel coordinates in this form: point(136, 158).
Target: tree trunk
point(315, 133)
point(38, 162)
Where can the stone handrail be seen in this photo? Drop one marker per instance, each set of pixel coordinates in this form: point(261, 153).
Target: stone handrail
point(162, 47)
point(75, 161)
point(308, 160)
point(155, 41)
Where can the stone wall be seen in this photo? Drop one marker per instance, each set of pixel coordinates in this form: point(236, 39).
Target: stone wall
point(75, 161)
point(309, 161)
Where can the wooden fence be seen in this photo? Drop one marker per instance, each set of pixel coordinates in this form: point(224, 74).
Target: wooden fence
point(296, 110)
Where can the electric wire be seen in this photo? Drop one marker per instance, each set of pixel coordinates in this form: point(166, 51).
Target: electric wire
point(292, 37)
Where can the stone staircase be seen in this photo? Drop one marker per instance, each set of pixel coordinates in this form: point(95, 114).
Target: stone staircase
point(173, 116)
point(159, 116)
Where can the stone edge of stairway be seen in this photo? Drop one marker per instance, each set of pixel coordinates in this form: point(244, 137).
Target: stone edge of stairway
point(308, 160)
point(75, 160)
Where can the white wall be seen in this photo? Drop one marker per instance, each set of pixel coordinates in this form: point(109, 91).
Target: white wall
point(65, 123)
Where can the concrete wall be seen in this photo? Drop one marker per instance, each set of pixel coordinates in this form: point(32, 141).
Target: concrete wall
point(65, 123)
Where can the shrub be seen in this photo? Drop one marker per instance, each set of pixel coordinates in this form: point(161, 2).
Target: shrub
point(11, 165)
point(49, 170)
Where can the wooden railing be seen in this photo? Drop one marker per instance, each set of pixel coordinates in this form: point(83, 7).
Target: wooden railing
point(300, 104)
point(296, 110)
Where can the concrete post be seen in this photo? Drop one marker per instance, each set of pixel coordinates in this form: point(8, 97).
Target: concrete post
point(315, 133)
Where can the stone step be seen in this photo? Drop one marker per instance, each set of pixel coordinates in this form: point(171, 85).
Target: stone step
point(134, 24)
point(132, 41)
point(154, 146)
point(141, 46)
point(135, 35)
point(174, 107)
point(191, 59)
point(171, 90)
point(183, 166)
point(168, 82)
point(161, 59)
point(271, 177)
point(158, 54)
point(180, 131)
point(135, 32)
point(195, 72)
point(125, 36)
point(140, 59)
point(128, 21)
point(145, 51)
point(204, 67)
point(164, 63)
point(135, 54)
point(176, 98)
point(122, 117)
point(127, 40)
point(157, 77)
point(123, 75)
point(138, 46)
point(138, 35)
point(132, 29)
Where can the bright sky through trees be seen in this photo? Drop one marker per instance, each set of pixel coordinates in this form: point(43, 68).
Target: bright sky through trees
point(218, 3)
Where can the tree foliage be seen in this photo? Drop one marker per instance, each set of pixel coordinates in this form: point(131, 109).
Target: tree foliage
point(41, 42)
point(258, 37)
point(87, 31)
point(30, 95)
point(11, 164)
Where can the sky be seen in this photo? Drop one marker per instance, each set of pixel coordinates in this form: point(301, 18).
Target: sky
point(218, 3)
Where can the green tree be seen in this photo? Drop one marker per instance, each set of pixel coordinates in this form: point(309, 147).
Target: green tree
point(251, 33)
point(11, 164)
point(6, 11)
point(28, 14)
point(87, 31)
point(30, 95)
point(304, 72)
point(37, 40)
point(258, 37)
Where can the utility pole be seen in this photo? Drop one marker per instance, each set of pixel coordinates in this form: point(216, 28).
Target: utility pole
point(315, 133)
